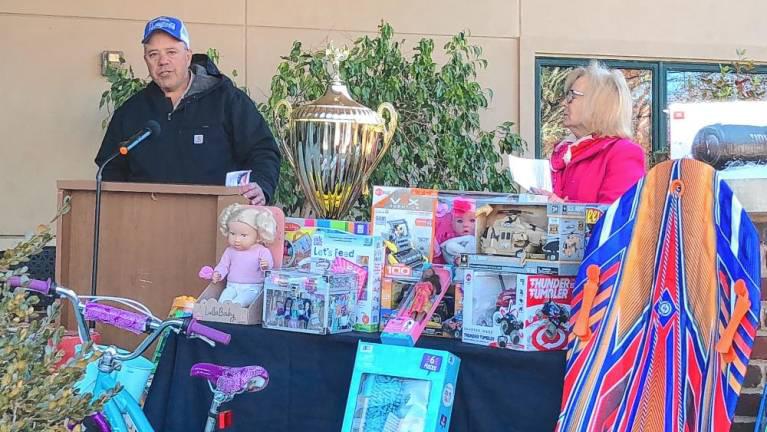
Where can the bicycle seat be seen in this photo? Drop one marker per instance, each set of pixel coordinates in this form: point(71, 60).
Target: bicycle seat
point(232, 380)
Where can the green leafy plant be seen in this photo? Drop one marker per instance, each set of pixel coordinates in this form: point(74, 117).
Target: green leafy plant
point(35, 393)
point(439, 143)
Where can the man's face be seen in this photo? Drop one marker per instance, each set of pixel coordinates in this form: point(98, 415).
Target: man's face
point(167, 60)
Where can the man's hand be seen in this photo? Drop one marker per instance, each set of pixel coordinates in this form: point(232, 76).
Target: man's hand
point(253, 192)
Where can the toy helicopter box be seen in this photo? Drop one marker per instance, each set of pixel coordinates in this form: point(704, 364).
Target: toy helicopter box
point(517, 311)
point(361, 250)
point(417, 307)
point(533, 238)
point(404, 219)
point(309, 302)
point(396, 388)
point(298, 237)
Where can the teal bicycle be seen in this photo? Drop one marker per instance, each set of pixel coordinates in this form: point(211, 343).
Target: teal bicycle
point(123, 412)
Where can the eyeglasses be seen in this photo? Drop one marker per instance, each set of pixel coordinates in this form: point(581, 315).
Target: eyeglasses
point(571, 94)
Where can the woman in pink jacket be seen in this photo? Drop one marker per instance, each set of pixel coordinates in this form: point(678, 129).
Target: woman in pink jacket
point(598, 162)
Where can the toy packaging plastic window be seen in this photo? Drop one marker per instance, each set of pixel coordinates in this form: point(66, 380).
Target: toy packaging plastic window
point(390, 403)
point(310, 302)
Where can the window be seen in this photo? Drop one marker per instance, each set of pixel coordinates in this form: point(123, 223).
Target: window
point(654, 86)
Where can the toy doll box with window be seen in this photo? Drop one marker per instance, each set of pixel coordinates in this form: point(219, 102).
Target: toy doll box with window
point(298, 237)
point(517, 311)
point(404, 219)
point(207, 307)
point(397, 388)
point(417, 307)
point(360, 250)
point(533, 238)
point(309, 302)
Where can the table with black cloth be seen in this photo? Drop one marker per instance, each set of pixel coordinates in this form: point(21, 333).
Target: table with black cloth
point(498, 390)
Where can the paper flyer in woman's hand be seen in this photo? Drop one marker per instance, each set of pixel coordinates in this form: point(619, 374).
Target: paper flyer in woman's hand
point(530, 173)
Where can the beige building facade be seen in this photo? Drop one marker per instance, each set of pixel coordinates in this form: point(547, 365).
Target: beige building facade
point(51, 82)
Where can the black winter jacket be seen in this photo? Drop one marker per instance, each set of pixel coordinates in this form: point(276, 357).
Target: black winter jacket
point(216, 128)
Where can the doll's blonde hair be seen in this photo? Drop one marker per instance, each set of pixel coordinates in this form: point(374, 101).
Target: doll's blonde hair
point(259, 218)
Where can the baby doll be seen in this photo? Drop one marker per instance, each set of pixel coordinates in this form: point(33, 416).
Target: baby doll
point(243, 263)
point(459, 236)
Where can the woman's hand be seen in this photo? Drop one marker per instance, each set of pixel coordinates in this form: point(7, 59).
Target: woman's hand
point(551, 195)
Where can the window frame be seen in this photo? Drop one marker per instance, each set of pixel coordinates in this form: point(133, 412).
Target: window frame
point(659, 71)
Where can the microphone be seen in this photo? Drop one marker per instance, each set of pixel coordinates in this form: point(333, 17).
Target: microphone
point(150, 128)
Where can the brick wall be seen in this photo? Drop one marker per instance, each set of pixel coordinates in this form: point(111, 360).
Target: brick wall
point(756, 375)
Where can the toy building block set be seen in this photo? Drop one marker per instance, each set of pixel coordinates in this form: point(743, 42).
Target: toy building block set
point(255, 245)
point(517, 311)
point(309, 302)
point(404, 219)
point(366, 252)
point(417, 307)
point(395, 388)
point(533, 238)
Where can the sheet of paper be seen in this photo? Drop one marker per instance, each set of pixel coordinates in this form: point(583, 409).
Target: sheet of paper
point(236, 178)
point(530, 173)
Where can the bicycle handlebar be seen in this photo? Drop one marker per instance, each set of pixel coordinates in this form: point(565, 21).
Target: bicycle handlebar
point(40, 286)
point(116, 317)
point(196, 329)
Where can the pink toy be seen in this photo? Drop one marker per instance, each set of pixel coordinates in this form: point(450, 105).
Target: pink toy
point(248, 229)
point(343, 265)
point(459, 222)
point(417, 308)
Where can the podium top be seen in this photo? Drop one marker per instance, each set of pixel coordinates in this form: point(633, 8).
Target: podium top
point(90, 185)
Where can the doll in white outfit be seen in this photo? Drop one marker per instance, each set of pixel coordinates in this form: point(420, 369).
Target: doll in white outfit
point(248, 230)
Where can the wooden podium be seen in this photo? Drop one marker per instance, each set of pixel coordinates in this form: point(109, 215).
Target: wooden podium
point(154, 238)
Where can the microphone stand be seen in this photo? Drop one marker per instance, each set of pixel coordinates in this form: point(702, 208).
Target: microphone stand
point(97, 224)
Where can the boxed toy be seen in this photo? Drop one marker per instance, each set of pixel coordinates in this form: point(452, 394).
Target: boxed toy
point(517, 311)
point(234, 294)
point(364, 251)
point(417, 307)
point(447, 320)
point(456, 221)
point(309, 302)
point(404, 219)
point(396, 388)
point(298, 237)
point(533, 238)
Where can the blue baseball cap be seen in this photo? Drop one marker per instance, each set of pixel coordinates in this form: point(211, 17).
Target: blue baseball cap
point(171, 25)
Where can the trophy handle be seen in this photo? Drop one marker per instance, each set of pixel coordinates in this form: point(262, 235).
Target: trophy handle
point(387, 137)
point(281, 126)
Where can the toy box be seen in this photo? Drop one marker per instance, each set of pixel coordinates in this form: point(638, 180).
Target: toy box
point(298, 237)
point(455, 221)
point(397, 388)
point(208, 308)
point(447, 320)
point(309, 302)
point(533, 238)
point(365, 251)
point(417, 307)
point(404, 219)
point(517, 311)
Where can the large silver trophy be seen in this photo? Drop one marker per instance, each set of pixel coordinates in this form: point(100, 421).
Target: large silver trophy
point(334, 143)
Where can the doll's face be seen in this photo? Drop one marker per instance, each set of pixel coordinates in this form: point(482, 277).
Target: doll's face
point(241, 236)
point(464, 224)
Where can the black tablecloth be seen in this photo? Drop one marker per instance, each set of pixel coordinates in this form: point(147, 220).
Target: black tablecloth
point(498, 390)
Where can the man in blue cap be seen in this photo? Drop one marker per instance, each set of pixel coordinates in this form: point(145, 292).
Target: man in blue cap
point(209, 127)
